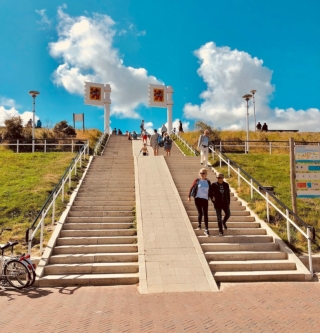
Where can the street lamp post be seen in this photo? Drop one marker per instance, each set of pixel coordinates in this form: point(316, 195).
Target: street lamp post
point(33, 94)
point(247, 97)
point(254, 108)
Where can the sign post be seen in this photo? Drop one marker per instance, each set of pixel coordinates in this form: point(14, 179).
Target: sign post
point(160, 96)
point(99, 94)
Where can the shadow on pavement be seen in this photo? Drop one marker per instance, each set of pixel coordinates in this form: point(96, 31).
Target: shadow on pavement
point(12, 293)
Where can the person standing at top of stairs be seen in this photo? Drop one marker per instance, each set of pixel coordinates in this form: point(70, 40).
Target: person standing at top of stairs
point(220, 194)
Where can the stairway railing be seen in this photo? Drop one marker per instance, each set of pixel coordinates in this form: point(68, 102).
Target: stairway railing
point(101, 143)
point(309, 234)
point(186, 144)
point(38, 223)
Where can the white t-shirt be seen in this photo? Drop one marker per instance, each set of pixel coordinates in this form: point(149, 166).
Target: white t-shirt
point(203, 189)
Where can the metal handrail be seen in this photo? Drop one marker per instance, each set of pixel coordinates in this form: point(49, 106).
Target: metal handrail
point(240, 172)
point(191, 148)
point(39, 220)
point(99, 142)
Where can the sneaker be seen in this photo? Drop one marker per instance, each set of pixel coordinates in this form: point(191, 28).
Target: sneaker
point(207, 233)
point(198, 227)
point(201, 163)
point(220, 234)
point(225, 226)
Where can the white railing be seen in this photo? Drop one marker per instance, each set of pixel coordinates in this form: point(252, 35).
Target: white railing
point(51, 201)
point(44, 144)
point(269, 203)
point(100, 143)
point(185, 143)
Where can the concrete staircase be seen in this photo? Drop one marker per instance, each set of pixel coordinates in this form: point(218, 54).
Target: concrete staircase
point(248, 251)
point(98, 243)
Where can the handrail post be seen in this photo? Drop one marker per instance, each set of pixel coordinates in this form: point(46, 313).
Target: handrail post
point(80, 160)
point(221, 146)
point(70, 178)
point(72, 146)
point(29, 241)
point(228, 168)
point(41, 232)
point(62, 190)
point(288, 227)
point(75, 167)
point(270, 149)
point(17, 146)
point(45, 146)
point(251, 188)
point(309, 250)
point(53, 207)
point(267, 204)
point(220, 161)
point(239, 178)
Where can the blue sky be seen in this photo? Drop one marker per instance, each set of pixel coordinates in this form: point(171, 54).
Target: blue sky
point(211, 52)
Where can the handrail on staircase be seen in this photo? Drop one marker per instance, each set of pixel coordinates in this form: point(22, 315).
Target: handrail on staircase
point(186, 144)
point(102, 142)
point(51, 200)
point(310, 231)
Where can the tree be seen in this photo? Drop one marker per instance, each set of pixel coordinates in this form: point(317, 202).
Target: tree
point(14, 129)
point(63, 130)
point(214, 134)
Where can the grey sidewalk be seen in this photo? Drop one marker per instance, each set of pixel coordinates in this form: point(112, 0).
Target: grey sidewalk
point(170, 257)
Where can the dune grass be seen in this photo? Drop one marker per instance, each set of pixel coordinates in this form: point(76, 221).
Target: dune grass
point(26, 182)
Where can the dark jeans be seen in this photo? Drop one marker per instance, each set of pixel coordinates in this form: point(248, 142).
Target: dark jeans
point(202, 207)
point(227, 214)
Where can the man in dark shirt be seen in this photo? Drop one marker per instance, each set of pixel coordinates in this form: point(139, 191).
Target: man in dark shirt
point(220, 195)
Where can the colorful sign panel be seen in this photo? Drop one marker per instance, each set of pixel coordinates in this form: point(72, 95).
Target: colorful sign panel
point(94, 93)
point(307, 160)
point(157, 95)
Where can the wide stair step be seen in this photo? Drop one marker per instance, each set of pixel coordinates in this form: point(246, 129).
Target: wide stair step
point(259, 276)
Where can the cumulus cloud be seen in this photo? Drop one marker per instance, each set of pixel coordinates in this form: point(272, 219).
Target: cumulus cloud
point(85, 49)
point(229, 74)
point(7, 113)
point(44, 23)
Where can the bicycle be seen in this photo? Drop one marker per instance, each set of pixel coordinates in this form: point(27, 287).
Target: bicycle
point(18, 271)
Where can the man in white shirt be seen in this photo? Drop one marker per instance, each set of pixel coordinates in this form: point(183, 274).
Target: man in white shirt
point(203, 145)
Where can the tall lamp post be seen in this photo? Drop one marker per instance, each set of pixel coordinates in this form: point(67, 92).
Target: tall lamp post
point(254, 108)
point(33, 94)
point(247, 98)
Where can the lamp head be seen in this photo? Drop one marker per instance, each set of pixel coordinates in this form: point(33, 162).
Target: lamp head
point(253, 91)
point(247, 97)
point(34, 93)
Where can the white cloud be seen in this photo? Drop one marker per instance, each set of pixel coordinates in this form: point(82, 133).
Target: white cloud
point(44, 23)
point(13, 112)
point(85, 48)
point(229, 74)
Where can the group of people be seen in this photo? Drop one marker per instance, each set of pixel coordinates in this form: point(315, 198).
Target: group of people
point(263, 128)
point(157, 141)
point(218, 192)
point(30, 123)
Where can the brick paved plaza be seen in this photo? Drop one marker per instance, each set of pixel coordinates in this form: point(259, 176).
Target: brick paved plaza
point(254, 307)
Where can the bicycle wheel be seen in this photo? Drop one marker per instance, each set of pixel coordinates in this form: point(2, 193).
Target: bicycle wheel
point(29, 266)
point(17, 274)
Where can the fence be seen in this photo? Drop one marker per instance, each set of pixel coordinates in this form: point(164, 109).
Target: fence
point(50, 203)
point(44, 145)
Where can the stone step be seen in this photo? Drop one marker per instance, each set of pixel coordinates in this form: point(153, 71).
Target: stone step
point(245, 255)
point(106, 196)
point(252, 265)
point(254, 247)
point(93, 258)
point(99, 213)
point(102, 208)
point(105, 219)
point(211, 218)
point(259, 276)
point(88, 280)
point(233, 231)
point(235, 239)
point(96, 226)
point(98, 233)
point(230, 225)
point(100, 248)
point(92, 268)
point(184, 199)
point(110, 203)
point(236, 207)
point(107, 188)
point(211, 211)
point(96, 240)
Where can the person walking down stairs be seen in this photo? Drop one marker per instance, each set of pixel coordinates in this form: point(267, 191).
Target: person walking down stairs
point(200, 191)
point(220, 196)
